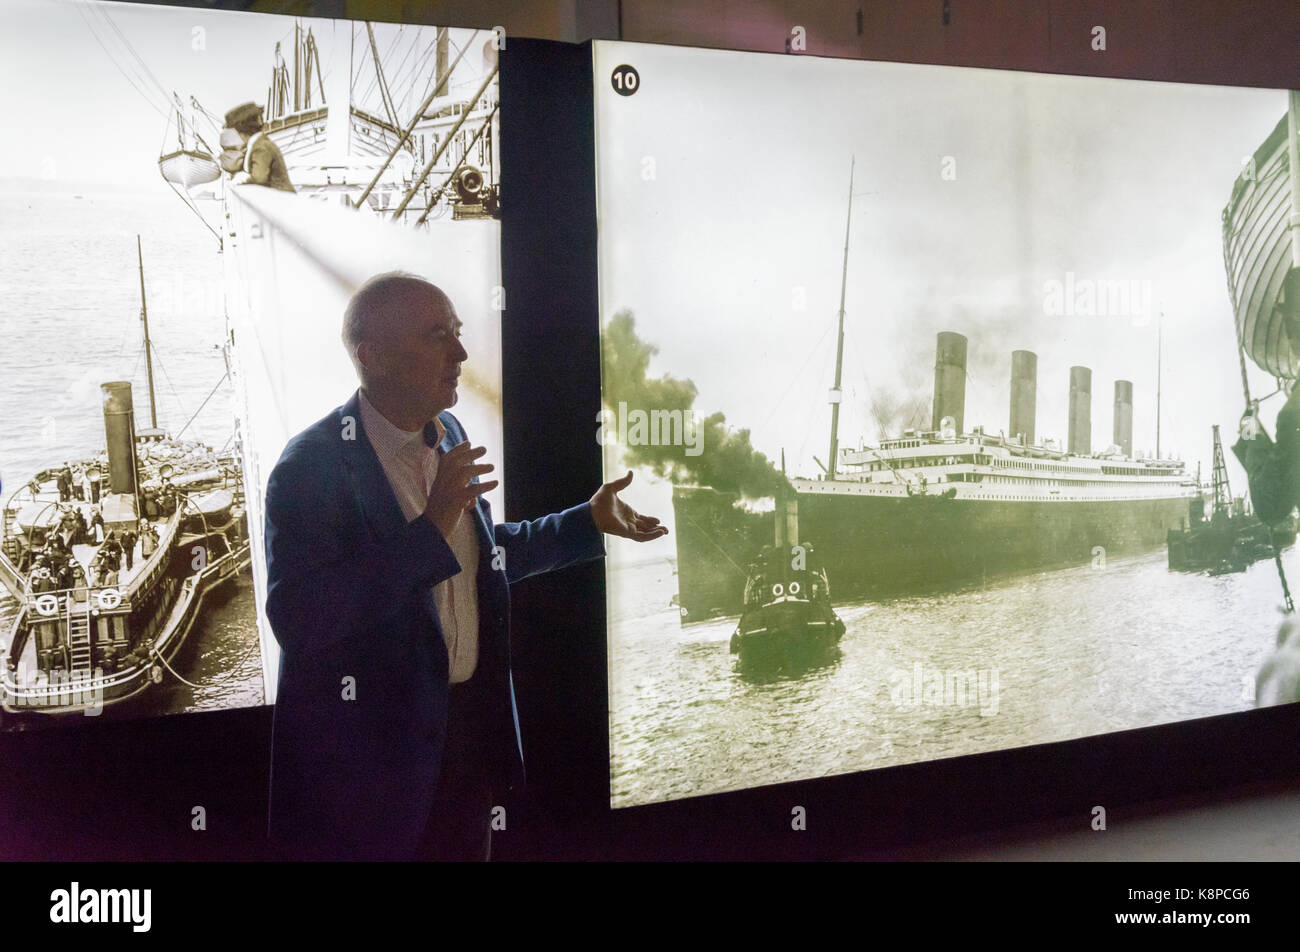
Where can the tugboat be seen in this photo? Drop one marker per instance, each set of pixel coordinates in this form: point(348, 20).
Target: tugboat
point(788, 623)
point(110, 558)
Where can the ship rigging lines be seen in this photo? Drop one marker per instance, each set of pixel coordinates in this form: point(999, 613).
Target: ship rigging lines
point(143, 75)
point(142, 79)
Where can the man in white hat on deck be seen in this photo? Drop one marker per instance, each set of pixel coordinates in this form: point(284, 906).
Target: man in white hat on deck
point(263, 163)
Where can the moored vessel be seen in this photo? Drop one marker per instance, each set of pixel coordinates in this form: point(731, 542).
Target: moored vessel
point(1232, 538)
point(110, 558)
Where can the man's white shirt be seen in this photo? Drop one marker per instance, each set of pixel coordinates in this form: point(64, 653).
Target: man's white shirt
point(411, 467)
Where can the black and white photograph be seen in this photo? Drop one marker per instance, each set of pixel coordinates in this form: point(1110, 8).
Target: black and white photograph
point(967, 395)
point(190, 198)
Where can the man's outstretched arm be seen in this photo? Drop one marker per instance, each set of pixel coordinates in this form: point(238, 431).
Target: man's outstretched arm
point(549, 543)
point(574, 535)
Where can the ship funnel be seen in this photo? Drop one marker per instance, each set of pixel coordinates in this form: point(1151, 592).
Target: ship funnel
point(787, 520)
point(1124, 416)
point(1080, 411)
point(1024, 395)
point(949, 381)
point(119, 433)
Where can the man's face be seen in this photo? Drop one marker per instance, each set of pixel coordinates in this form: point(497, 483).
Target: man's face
point(420, 352)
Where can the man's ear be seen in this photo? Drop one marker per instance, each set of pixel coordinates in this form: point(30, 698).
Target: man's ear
point(370, 357)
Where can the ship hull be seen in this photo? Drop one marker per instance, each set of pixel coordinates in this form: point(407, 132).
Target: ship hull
point(881, 547)
point(288, 262)
point(791, 634)
point(63, 692)
point(116, 638)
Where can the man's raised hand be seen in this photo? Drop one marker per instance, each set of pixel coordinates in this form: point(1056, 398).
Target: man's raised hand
point(453, 492)
point(615, 517)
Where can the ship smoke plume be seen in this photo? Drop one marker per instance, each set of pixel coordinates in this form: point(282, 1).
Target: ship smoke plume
point(894, 411)
point(728, 462)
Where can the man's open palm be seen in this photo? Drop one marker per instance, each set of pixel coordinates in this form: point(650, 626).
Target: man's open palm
point(615, 517)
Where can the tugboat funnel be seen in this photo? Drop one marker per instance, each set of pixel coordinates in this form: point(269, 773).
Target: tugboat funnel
point(787, 520)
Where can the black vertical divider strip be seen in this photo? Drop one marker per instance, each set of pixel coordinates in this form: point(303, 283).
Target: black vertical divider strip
point(551, 397)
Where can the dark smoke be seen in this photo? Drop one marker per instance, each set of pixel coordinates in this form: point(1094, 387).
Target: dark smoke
point(727, 462)
point(992, 332)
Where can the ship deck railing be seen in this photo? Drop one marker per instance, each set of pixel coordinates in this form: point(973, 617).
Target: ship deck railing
point(976, 437)
point(49, 604)
point(885, 450)
point(142, 575)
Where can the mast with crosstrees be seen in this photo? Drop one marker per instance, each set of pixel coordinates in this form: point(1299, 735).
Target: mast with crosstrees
point(836, 395)
point(148, 347)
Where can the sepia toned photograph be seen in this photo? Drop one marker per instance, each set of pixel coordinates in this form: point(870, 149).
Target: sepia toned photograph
point(970, 395)
point(196, 197)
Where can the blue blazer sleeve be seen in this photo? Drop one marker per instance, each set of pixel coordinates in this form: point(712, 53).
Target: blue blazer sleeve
point(549, 543)
point(539, 545)
point(327, 578)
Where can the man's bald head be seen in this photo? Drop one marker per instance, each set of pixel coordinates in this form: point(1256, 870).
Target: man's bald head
point(379, 306)
point(403, 336)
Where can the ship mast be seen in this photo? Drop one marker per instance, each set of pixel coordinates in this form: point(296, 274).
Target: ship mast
point(1159, 344)
point(148, 347)
point(835, 394)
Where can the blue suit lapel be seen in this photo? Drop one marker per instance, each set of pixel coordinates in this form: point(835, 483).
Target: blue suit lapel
point(370, 483)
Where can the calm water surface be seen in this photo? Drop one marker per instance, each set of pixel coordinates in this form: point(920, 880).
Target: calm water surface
point(1054, 655)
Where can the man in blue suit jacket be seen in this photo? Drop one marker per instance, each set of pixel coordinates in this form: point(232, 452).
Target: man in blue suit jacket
point(373, 531)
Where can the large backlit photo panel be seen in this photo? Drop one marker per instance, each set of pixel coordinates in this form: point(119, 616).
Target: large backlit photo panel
point(172, 317)
point(935, 376)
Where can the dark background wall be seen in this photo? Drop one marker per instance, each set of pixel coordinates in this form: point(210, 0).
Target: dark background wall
point(1251, 42)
